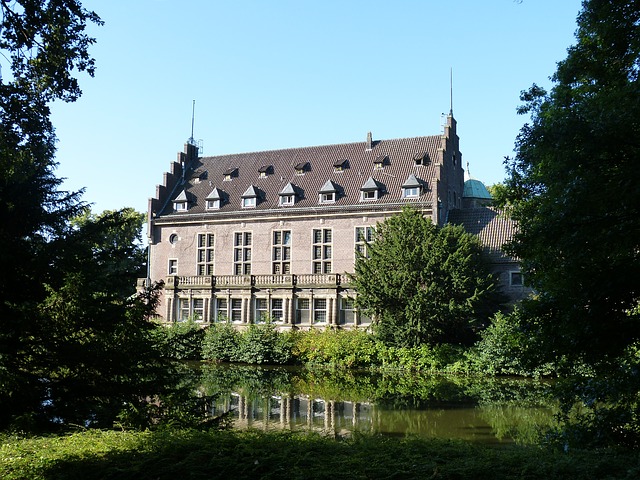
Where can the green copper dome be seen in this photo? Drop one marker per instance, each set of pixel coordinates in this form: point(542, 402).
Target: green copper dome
point(475, 189)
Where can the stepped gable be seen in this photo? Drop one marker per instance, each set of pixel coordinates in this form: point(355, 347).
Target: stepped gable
point(490, 225)
point(321, 167)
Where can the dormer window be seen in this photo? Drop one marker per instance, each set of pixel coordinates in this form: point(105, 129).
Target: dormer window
point(411, 188)
point(287, 195)
point(328, 192)
point(249, 198)
point(340, 165)
point(213, 200)
point(229, 174)
point(181, 203)
point(380, 162)
point(265, 170)
point(301, 167)
point(370, 190)
point(421, 158)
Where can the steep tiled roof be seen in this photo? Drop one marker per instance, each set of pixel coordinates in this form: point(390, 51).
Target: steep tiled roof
point(491, 226)
point(243, 170)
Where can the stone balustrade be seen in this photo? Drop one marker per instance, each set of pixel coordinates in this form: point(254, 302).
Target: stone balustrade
point(260, 281)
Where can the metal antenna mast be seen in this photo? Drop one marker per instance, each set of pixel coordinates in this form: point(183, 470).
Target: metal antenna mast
point(451, 91)
point(193, 115)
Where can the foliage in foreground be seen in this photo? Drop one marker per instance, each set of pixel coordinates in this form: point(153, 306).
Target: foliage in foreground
point(168, 454)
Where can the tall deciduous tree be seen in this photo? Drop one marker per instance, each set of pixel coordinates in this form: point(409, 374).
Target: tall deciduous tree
point(574, 190)
point(423, 284)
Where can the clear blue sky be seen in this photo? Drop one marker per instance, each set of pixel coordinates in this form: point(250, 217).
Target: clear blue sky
point(280, 74)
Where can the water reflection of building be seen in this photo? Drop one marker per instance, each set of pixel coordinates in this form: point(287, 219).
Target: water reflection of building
point(299, 412)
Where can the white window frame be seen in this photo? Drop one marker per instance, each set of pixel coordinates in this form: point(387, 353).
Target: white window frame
point(172, 266)
point(320, 312)
point(213, 204)
point(329, 197)
point(321, 258)
point(261, 310)
point(368, 195)
point(205, 247)
point(236, 312)
point(411, 192)
point(277, 310)
point(180, 206)
point(242, 252)
point(249, 202)
point(287, 200)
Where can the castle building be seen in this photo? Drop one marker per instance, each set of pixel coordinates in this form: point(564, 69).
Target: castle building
point(270, 235)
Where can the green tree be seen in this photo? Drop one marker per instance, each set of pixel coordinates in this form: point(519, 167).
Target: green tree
point(573, 189)
point(423, 284)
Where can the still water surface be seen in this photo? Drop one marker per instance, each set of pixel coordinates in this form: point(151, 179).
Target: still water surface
point(493, 411)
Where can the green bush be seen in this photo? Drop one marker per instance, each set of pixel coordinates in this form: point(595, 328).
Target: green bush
point(263, 343)
point(182, 341)
point(220, 343)
point(336, 348)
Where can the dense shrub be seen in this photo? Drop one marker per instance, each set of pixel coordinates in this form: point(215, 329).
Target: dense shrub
point(264, 344)
point(336, 348)
point(182, 341)
point(257, 344)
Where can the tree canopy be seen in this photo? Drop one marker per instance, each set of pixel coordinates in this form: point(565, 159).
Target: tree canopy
point(423, 284)
point(573, 188)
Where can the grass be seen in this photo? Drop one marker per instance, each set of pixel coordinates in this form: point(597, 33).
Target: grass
point(187, 454)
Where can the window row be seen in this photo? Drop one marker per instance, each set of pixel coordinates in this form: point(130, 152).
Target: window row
point(281, 251)
point(330, 192)
point(306, 311)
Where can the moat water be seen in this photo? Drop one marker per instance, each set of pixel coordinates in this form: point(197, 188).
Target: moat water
point(486, 410)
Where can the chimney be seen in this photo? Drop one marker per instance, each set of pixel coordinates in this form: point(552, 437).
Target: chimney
point(369, 141)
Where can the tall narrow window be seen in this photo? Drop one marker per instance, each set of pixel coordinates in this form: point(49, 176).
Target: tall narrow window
point(222, 310)
point(236, 309)
point(321, 250)
point(277, 310)
point(302, 310)
point(262, 311)
point(364, 235)
point(198, 309)
point(320, 310)
point(204, 260)
point(173, 266)
point(242, 253)
point(281, 252)
point(183, 309)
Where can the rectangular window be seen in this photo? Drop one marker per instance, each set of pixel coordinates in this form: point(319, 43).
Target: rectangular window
point(346, 310)
point(249, 202)
point(369, 195)
point(321, 251)
point(281, 252)
point(515, 279)
point(327, 197)
point(320, 310)
point(204, 259)
point(302, 310)
point(198, 309)
point(236, 310)
point(183, 309)
point(277, 310)
point(287, 200)
point(242, 253)
point(213, 204)
point(222, 311)
point(173, 266)
point(411, 192)
point(363, 236)
point(262, 311)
